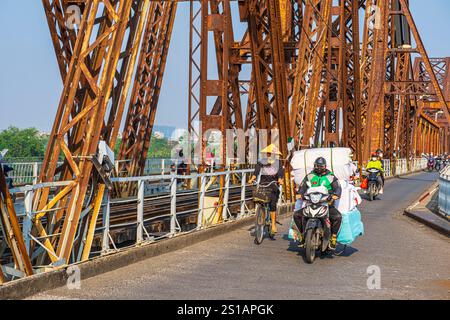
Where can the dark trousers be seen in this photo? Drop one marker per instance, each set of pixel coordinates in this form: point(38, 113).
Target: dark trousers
point(335, 219)
point(381, 180)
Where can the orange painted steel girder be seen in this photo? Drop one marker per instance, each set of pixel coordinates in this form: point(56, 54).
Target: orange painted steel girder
point(146, 91)
point(88, 119)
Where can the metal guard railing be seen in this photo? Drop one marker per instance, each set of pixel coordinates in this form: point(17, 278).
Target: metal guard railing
point(28, 172)
point(233, 180)
point(444, 192)
point(206, 187)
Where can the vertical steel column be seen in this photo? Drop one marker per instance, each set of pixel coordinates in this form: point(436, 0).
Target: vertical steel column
point(269, 71)
point(146, 91)
point(309, 94)
point(351, 91)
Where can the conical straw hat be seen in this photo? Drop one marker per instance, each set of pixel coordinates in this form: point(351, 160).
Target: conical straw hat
point(271, 149)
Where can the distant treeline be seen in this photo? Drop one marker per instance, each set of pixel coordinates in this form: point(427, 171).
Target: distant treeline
point(23, 143)
point(28, 145)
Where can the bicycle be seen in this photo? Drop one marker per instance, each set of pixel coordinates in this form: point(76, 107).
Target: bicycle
point(263, 223)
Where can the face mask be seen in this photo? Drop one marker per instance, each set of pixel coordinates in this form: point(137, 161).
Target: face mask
point(319, 170)
point(374, 159)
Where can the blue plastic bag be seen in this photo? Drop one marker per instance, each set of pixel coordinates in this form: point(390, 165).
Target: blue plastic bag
point(293, 234)
point(351, 227)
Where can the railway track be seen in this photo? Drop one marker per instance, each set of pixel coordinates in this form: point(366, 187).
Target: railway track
point(123, 217)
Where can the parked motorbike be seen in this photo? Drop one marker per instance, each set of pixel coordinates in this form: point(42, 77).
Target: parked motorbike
point(373, 187)
point(317, 232)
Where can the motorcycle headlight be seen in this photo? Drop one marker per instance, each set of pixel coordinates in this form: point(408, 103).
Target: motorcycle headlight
point(316, 198)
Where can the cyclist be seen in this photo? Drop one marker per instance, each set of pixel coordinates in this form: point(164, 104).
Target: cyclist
point(272, 173)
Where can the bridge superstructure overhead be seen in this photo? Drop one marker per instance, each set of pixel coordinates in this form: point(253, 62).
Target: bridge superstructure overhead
point(311, 79)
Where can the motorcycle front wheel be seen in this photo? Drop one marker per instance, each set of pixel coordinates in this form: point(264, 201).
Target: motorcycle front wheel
point(310, 248)
point(371, 194)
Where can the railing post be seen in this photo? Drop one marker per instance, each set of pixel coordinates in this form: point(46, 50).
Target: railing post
point(387, 167)
point(140, 212)
point(243, 191)
point(173, 205)
point(447, 193)
point(106, 222)
point(201, 203)
point(226, 196)
point(35, 172)
point(26, 224)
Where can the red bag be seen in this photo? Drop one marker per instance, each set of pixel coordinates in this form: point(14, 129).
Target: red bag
point(365, 184)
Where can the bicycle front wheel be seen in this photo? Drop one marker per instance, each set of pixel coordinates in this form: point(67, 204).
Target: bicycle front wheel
point(260, 223)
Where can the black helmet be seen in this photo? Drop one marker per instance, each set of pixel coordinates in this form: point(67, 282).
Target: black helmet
point(320, 162)
point(320, 165)
point(379, 151)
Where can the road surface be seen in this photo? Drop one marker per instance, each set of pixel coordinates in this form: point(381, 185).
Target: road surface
point(414, 263)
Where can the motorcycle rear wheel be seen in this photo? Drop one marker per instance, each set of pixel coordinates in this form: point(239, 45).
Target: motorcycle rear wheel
point(310, 249)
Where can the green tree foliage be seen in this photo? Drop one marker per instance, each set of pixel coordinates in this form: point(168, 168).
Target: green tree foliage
point(29, 144)
point(159, 148)
point(23, 143)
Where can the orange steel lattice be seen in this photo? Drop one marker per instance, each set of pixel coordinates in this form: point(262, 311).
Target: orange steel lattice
point(311, 79)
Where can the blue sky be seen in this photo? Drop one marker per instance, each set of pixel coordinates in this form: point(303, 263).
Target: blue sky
point(30, 84)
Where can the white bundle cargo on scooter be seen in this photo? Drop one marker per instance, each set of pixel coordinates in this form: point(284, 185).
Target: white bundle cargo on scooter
point(340, 163)
point(338, 159)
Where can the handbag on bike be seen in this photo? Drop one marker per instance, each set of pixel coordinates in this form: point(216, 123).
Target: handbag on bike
point(261, 195)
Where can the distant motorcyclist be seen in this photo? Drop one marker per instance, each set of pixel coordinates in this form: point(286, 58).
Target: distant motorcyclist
point(7, 169)
point(321, 176)
point(379, 154)
point(375, 163)
point(439, 163)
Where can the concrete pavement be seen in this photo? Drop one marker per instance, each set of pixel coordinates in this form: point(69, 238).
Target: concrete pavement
point(414, 262)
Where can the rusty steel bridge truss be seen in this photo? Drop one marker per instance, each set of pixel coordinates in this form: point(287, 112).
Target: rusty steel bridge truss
point(311, 79)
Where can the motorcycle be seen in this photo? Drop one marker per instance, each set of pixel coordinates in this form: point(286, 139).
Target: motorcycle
point(373, 187)
point(317, 230)
point(438, 165)
point(430, 165)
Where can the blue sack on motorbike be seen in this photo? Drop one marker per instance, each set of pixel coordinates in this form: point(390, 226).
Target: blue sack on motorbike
point(351, 227)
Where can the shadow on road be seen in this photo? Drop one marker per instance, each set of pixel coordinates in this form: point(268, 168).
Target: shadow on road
point(341, 250)
point(366, 197)
point(417, 179)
